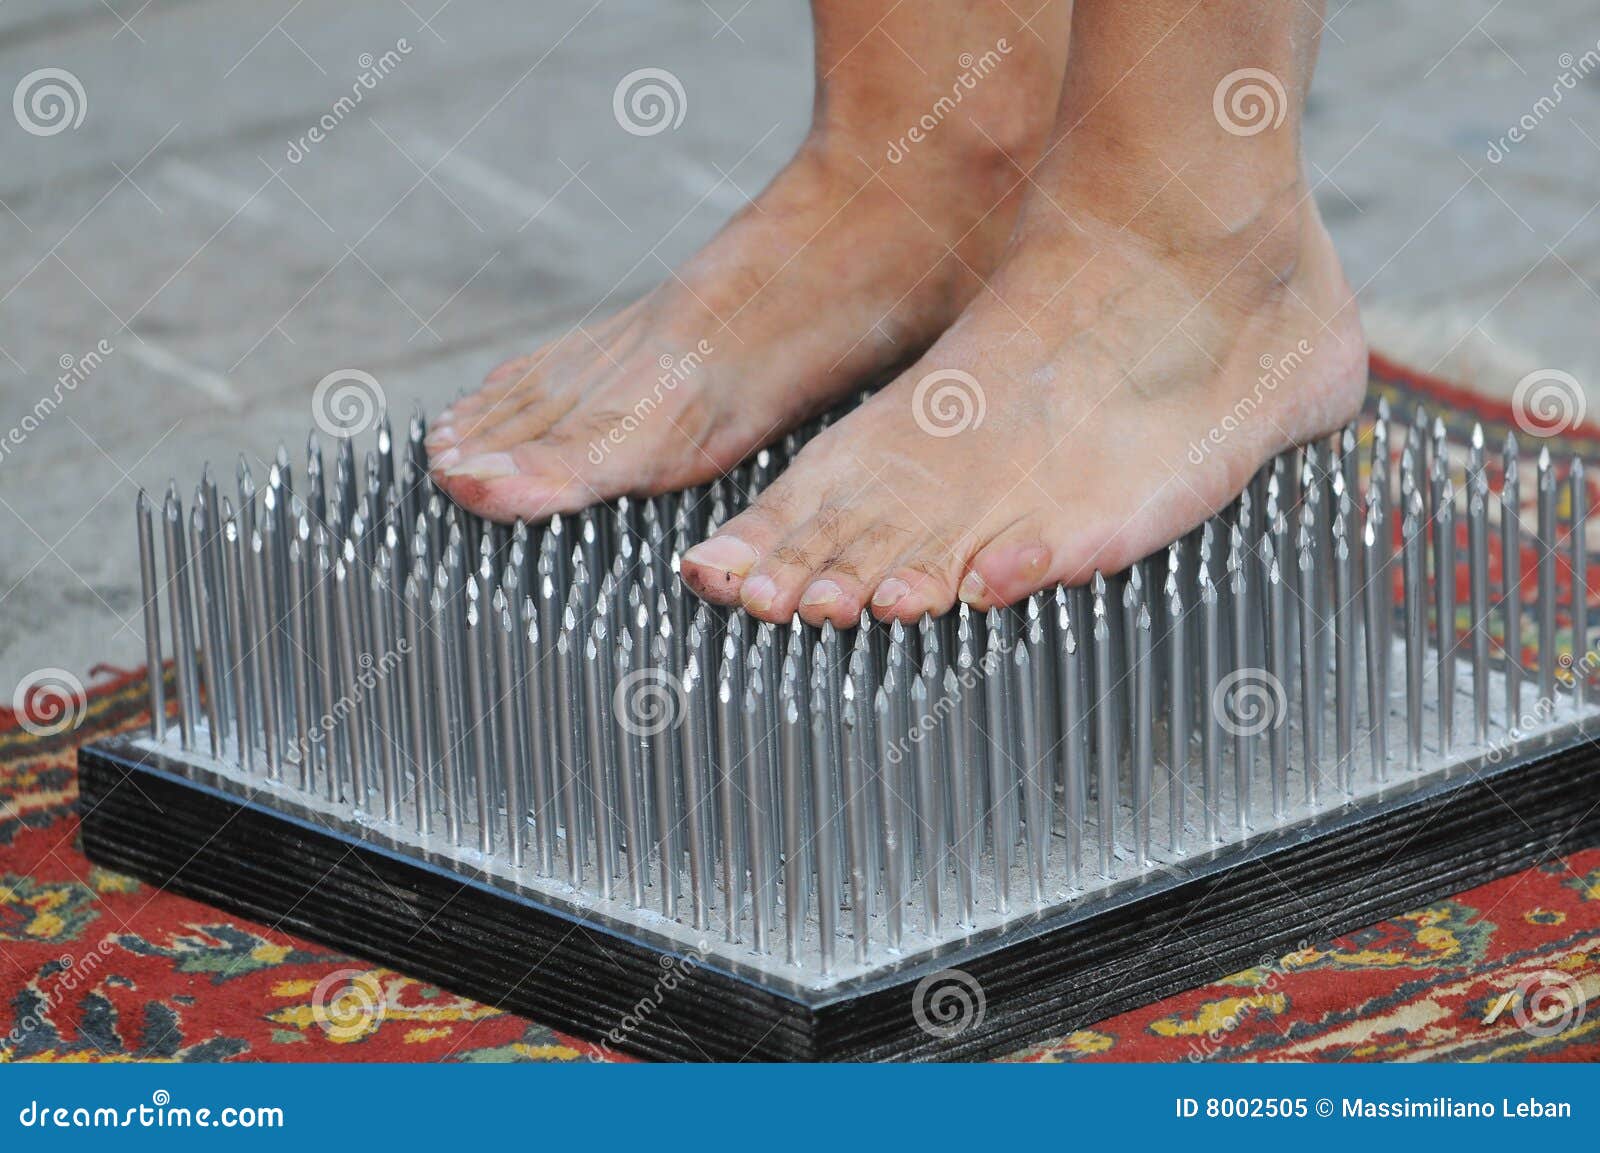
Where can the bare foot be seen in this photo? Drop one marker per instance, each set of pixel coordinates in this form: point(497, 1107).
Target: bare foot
point(847, 266)
point(1130, 412)
point(1132, 367)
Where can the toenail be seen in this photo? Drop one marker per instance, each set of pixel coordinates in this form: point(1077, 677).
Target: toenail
point(890, 593)
point(758, 593)
point(822, 592)
point(446, 458)
point(972, 590)
point(728, 553)
point(441, 434)
point(485, 466)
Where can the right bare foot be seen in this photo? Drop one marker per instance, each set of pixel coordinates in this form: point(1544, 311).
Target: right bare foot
point(846, 266)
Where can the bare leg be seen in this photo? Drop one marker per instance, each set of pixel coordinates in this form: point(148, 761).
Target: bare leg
point(850, 263)
point(1169, 314)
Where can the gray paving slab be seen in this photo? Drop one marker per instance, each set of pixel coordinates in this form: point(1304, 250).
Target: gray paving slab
point(481, 197)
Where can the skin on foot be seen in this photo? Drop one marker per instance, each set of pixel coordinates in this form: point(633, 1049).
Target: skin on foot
point(1169, 314)
point(861, 251)
point(1105, 397)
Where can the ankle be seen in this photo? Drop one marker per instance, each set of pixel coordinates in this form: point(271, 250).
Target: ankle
point(989, 114)
point(1186, 213)
point(963, 185)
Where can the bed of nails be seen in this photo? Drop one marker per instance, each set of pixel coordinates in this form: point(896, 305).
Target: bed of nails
point(548, 707)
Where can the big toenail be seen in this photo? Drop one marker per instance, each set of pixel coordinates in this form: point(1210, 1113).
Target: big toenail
point(728, 553)
point(758, 593)
point(822, 592)
point(972, 589)
point(446, 458)
point(891, 592)
point(485, 466)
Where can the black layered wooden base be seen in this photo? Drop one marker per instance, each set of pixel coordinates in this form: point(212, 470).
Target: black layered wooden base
point(605, 981)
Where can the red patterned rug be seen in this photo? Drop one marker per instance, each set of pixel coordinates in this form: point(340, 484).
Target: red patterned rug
point(96, 966)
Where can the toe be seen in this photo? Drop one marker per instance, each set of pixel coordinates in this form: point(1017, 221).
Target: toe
point(535, 389)
point(501, 429)
point(915, 588)
point(841, 588)
point(716, 568)
point(775, 584)
point(497, 388)
point(509, 372)
point(531, 481)
point(833, 595)
point(1013, 564)
point(775, 547)
point(503, 381)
